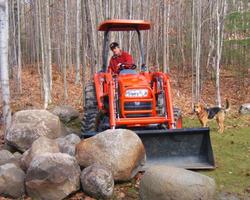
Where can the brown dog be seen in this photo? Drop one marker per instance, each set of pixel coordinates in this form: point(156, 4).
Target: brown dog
point(206, 114)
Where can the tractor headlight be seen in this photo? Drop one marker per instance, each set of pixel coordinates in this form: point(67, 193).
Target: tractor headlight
point(136, 93)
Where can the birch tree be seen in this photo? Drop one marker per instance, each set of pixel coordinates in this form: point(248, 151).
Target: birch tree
point(221, 6)
point(65, 48)
point(166, 20)
point(19, 55)
point(196, 49)
point(4, 38)
point(78, 28)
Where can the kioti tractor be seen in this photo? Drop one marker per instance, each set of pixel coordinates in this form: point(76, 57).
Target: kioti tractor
point(141, 101)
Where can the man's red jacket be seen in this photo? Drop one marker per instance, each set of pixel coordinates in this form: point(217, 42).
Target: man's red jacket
point(124, 58)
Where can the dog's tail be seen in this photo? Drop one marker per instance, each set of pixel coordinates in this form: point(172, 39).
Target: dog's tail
point(227, 108)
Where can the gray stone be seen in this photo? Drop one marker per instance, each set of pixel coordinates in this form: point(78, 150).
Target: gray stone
point(40, 146)
point(169, 183)
point(68, 144)
point(28, 125)
point(65, 113)
point(11, 181)
point(6, 157)
point(52, 176)
point(97, 181)
point(245, 109)
point(17, 155)
point(119, 150)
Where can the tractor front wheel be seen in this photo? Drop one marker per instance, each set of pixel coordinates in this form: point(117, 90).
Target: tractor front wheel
point(178, 117)
point(91, 116)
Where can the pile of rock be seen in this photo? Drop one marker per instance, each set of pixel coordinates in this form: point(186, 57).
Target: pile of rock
point(51, 163)
point(55, 164)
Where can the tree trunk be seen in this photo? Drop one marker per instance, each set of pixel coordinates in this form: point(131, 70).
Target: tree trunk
point(78, 28)
point(166, 36)
point(19, 66)
point(4, 38)
point(220, 15)
point(65, 48)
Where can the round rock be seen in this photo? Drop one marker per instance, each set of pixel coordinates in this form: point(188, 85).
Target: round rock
point(169, 183)
point(65, 113)
point(52, 176)
point(245, 109)
point(97, 181)
point(68, 143)
point(28, 125)
point(40, 146)
point(120, 150)
point(11, 181)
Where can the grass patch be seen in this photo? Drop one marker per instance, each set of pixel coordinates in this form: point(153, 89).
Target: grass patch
point(232, 154)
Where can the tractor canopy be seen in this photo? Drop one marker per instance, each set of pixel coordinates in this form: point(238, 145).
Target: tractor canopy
point(121, 25)
point(124, 25)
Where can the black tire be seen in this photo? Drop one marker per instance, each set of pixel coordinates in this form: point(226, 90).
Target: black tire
point(91, 119)
point(178, 117)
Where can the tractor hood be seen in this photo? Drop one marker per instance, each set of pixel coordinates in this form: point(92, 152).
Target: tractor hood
point(133, 80)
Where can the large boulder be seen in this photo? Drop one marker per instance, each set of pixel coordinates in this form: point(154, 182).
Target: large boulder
point(52, 176)
point(245, 109)
point(40, 146)
point(65, 113)
point(68, 143)
point(119, 150)
point(28, 125)
point(11, 181)
point(97, 181)
point(169, 183)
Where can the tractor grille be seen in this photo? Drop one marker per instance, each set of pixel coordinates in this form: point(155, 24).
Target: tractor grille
point(133, 106)
point(138, 106)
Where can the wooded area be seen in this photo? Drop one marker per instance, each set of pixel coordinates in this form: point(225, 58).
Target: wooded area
point(196, 38)
point(65, 136)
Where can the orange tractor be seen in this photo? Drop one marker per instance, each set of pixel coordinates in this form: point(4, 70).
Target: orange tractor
point(142, 101)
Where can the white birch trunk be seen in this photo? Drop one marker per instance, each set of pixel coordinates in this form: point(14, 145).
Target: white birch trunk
point(45, 84)
point(78, 28)
point(65, 48)
point(19, 55)
point(166, 36)
point(198, 52)
point(4, 38)
point(49, 72)
point(220, 15)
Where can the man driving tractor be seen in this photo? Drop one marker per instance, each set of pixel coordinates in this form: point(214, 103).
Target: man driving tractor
point(120, 59)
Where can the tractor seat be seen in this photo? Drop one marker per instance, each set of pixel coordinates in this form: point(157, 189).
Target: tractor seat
point(128, 71)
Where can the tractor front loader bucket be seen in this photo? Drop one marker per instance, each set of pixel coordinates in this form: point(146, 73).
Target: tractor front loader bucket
point(186, 148)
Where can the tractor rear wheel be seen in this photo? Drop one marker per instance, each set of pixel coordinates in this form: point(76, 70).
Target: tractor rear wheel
point(91, 116)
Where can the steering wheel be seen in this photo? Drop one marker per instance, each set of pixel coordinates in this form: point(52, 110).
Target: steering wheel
point(127, 66)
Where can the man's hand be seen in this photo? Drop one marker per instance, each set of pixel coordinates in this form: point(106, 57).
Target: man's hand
point(121, 66)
